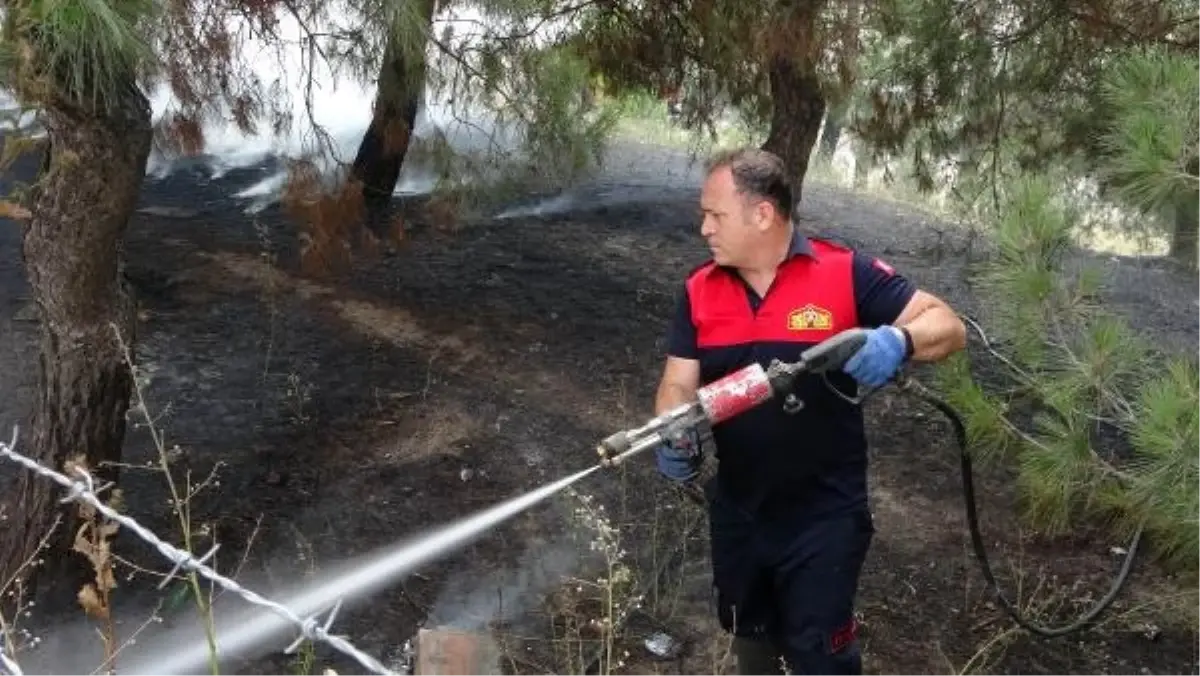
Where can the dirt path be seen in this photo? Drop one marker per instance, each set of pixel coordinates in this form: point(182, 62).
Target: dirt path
point(477, 364)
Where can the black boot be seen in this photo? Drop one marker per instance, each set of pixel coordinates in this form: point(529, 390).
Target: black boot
point(757, 656)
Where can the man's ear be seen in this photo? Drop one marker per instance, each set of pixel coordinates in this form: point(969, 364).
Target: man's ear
point(764, 215)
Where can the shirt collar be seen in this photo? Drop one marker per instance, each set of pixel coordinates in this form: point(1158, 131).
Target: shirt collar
point(800, 245)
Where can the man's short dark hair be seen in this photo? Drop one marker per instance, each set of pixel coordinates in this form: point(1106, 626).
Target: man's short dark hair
point(759, 173)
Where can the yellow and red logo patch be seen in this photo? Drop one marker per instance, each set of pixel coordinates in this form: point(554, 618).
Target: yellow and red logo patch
point(810, 318)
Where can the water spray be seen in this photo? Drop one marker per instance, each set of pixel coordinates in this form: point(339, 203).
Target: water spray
point(238, 635)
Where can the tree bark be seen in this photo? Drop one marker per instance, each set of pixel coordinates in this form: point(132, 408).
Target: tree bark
point(1186, 233)
point(91, 178)
point(397, 100)
point(796, 97)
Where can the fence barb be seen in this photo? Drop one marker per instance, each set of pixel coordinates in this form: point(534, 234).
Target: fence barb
point(84, 489)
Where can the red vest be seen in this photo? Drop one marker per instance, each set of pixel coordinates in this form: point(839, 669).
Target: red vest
point(811, 299)
point(767, 456)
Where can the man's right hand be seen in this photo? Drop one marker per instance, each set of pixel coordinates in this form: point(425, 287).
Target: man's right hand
point(679, 459)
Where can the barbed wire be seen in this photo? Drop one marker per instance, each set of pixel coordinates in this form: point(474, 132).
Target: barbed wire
point(84, 489)
point(7, 664)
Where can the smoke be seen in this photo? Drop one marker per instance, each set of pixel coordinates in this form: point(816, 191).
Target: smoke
point(334, 104)
point(469, 603)
point(552, 205)
point(335, 107)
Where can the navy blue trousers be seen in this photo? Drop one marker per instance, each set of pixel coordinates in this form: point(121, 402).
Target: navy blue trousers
point(792, 581)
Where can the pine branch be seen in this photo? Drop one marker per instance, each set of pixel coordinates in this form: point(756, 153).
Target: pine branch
point(76, 53)
point(1078, 369)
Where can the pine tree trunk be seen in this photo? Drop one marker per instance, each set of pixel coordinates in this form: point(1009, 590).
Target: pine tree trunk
point(1184, 238)
point(87, 191)
point(832, 133)
point(397, 100)
point(796, 97)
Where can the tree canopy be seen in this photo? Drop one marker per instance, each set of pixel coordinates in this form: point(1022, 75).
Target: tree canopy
point(997, 88)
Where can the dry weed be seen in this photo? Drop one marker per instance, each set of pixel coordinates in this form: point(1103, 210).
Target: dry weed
point(332, 221)
point(444, 212)
point(14, 211)
point(94, 541)
point(182, 135)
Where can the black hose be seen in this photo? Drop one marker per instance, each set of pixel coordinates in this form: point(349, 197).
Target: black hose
point(968, 482)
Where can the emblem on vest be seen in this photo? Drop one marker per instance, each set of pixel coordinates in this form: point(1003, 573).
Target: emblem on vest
point(810, 318)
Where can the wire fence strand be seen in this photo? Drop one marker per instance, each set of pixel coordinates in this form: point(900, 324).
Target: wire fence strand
point(7, 664)
point(84, 489)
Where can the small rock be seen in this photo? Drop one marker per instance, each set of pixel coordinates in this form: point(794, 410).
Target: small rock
point(662, 645)
point(466, 474)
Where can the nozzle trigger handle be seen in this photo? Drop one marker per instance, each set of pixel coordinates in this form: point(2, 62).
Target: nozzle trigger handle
point(832, 354)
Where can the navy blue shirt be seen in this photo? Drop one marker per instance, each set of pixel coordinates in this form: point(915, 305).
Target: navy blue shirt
point(814, 460)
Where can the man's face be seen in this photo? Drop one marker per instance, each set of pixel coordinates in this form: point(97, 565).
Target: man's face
point(732, 224)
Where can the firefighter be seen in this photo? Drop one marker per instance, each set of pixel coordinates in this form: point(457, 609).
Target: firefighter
point(788, 510)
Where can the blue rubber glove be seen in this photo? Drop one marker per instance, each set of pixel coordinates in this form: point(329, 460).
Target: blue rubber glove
point(679, 459)
point(877, 361)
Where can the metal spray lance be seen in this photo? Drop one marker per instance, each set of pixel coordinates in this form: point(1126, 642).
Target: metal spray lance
point(733, 395)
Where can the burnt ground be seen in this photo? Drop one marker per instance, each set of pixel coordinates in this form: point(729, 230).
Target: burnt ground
point(483, 360)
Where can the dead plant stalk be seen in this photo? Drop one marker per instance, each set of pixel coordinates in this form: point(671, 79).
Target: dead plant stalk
point(180, 503)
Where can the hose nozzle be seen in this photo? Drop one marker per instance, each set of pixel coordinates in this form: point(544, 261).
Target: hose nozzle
point(611, 448)
point(620, 445)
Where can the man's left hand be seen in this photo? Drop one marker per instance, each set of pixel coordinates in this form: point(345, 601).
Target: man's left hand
point(679, 457)
point(877, 361)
